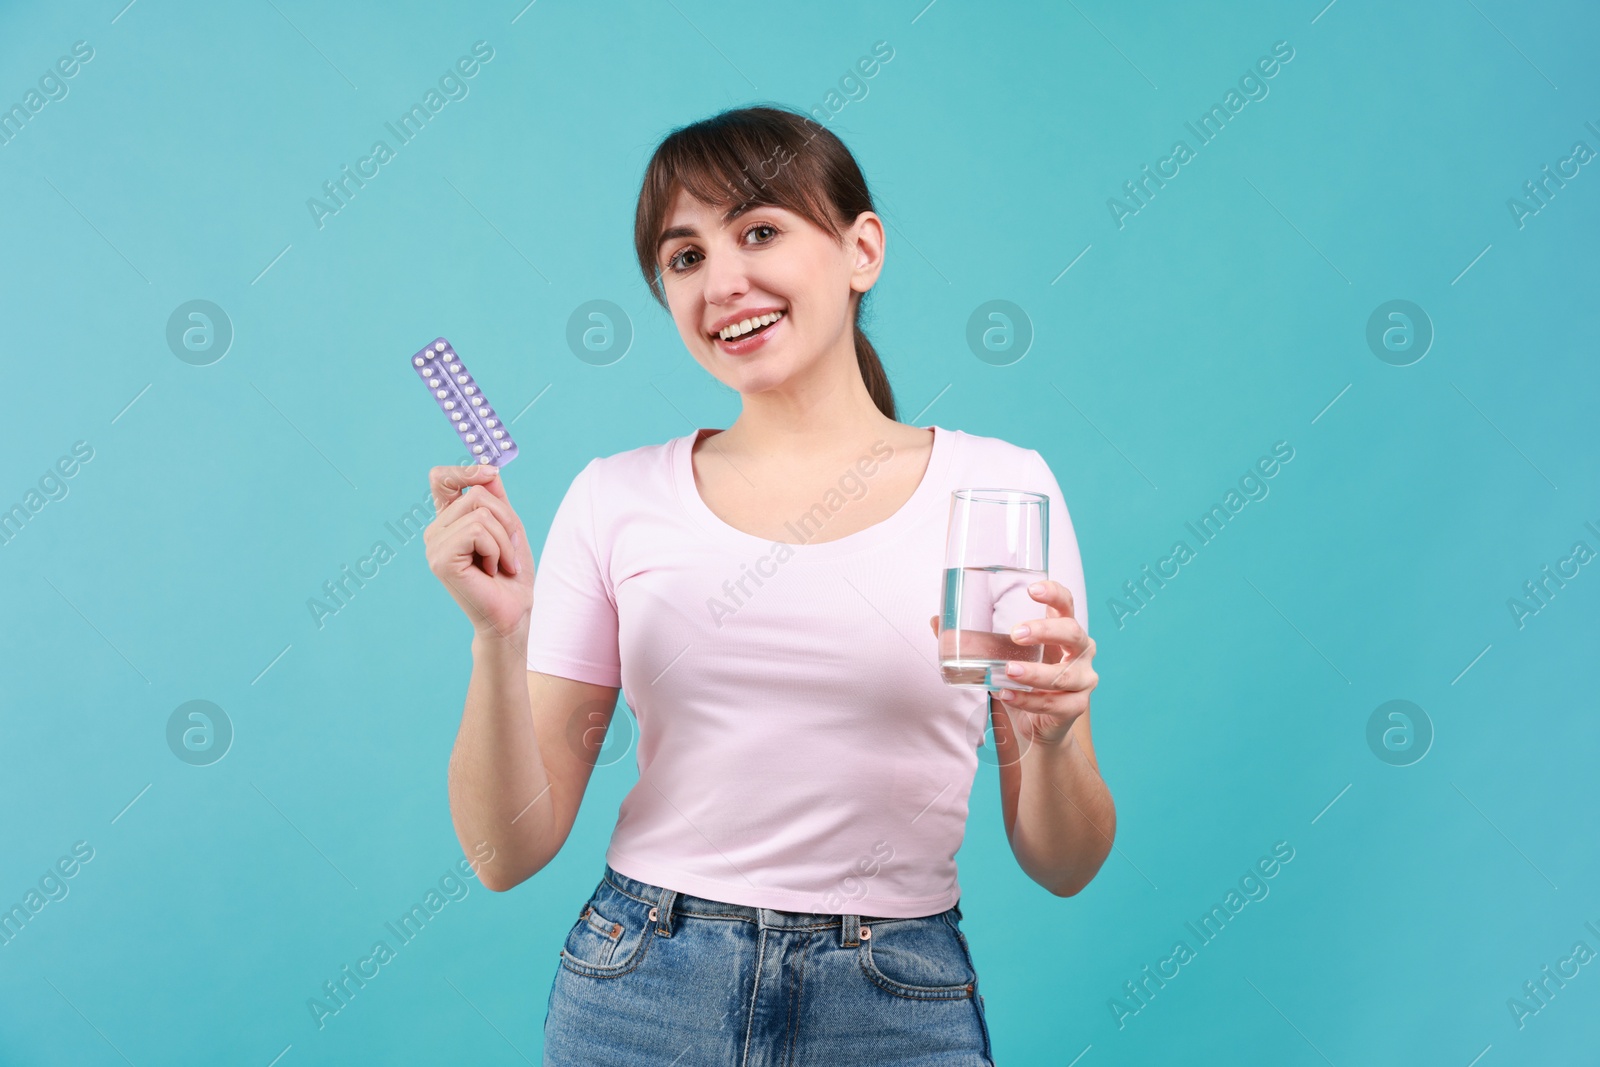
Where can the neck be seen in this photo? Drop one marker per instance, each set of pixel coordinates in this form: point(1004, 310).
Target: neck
point(824, 411)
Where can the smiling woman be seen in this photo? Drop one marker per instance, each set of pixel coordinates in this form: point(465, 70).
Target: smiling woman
point(802, 173)
point(796, 738)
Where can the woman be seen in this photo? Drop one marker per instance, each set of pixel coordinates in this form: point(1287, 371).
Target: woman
point(780, 886)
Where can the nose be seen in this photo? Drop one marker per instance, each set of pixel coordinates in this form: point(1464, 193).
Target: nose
point(726, 278)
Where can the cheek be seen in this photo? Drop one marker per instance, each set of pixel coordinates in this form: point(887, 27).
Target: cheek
point(685, 323)
point(807, 275)
point(685, 308)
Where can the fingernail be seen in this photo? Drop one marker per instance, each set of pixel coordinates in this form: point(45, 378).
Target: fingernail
point(1020, 632)
point(1014, 669)
point(1036, 588)
point(1007, 694)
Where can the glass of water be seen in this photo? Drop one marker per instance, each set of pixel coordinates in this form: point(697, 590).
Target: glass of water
point(997, 545)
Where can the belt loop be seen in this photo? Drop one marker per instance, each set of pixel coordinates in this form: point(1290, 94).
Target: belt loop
point(851, 930)
point(663, 912)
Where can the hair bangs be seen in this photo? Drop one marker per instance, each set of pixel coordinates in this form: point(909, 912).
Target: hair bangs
point(759, 157)
point(735, 162)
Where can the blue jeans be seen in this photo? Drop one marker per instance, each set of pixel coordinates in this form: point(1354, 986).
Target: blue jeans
point(650, 977)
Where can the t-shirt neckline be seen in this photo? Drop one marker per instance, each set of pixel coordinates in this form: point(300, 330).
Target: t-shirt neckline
point(915, 509)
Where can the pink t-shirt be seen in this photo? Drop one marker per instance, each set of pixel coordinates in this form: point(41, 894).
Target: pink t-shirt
point(797, 748)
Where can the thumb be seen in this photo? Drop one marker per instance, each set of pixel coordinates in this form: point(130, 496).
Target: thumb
point(462, 477)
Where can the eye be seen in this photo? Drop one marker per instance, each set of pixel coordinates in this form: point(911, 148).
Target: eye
point(762, 226)
point(676, 257)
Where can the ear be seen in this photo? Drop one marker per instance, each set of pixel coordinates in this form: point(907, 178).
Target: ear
point(865, 240)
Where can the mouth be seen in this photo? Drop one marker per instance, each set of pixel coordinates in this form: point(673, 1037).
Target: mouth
point(750, 334)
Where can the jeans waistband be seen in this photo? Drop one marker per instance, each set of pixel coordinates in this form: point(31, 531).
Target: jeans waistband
point(687, 904)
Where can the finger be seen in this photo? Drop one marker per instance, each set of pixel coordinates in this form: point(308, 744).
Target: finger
point(1063, 631)
point(496, 484)
point(461, 542)
point(1070, 676)
point(486, 501)
point(490, 540)
point(933, 621)
point(503, 539)
point(447, 482)
point(496, 487)
point(482, 533)
point(1049, 702)
point(1053, 594)
point(451, 521)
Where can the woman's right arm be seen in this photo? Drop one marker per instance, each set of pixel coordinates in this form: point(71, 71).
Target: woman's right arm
point(528, 741)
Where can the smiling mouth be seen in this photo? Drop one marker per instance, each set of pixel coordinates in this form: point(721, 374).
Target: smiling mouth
point(753, 327)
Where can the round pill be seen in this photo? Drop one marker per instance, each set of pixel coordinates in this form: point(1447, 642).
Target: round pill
point(438, 346)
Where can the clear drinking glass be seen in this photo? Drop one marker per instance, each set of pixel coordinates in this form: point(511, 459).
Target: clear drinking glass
point(997, 545)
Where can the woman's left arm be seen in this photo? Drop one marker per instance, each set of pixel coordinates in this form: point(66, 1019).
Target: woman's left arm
point(1059, 815)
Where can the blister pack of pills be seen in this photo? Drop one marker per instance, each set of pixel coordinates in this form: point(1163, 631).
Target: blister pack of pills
point(460, 398)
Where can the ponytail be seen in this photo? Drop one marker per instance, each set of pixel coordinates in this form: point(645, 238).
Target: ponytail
point(872, 372)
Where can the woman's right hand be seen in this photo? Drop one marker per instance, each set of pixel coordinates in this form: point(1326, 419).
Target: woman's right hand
point(478, 548)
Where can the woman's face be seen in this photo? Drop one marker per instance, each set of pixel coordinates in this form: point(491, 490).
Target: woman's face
point(767, 261)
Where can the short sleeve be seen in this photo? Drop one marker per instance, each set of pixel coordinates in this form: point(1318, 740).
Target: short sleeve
point(1066, 566)
point(572, 632)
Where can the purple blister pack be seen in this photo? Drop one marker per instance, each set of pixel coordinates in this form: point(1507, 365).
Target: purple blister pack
point(460, 398)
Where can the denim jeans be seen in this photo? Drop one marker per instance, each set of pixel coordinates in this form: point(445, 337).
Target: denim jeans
point(650, 976)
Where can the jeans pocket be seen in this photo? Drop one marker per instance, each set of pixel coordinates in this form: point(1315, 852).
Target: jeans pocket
point(923, 959)
point(609, 937)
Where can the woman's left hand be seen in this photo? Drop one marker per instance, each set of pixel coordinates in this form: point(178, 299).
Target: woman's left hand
point(1063, 682)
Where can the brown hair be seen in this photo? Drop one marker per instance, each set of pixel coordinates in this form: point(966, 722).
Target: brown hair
point(760, 156)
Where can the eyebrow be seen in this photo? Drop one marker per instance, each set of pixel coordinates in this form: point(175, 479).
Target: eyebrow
point(689, 231)
point(675, 232)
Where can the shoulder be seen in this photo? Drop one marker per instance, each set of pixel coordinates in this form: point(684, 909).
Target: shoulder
point(644, 460)
point(991, 453)
point(994, 461)
point(627, 478)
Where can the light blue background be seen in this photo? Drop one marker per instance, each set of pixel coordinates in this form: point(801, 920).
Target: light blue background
point(1229, 314)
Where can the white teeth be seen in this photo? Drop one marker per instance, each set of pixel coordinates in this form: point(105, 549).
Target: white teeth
point(728, 333)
